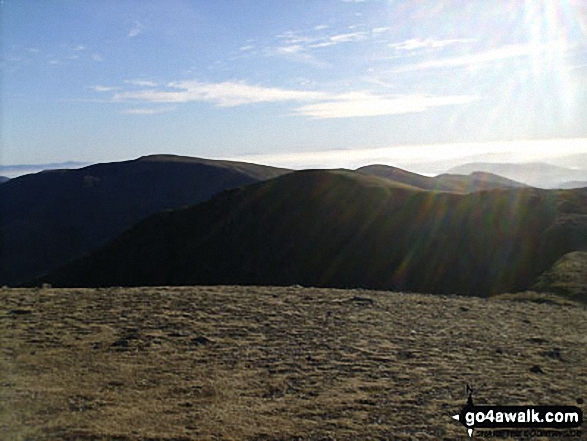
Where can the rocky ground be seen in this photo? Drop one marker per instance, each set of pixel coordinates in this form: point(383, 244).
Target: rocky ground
point(262, 363)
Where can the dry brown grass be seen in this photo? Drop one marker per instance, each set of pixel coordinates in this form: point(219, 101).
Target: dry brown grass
point(260, 363)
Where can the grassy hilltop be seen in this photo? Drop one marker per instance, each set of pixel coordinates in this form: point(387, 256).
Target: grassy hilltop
point(267, 363)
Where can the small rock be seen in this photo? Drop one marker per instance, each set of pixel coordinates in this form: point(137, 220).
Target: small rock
point(499, 351)
point(20, 311)
point(201, 340)
point(120, 343)
point(537, 340)
point(404, 355)
point(536, 369)
point(555, 353)
point(361, 300)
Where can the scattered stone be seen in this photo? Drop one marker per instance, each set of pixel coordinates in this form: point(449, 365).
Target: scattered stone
point(463, 308)
point(536, 369)
point(120, 343)
point(201, 340)
point(361, 300)
point(499, 351)
point(555, 353)
point(405, 355)
point(177, 334)
point(537, 340)
point(20, 311)
point(580, 401)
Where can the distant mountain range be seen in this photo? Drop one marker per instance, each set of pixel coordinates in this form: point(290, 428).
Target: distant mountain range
point(540, 175)
point(52, 217)
point(346, 229)
point(3, 179)
point(22, 169)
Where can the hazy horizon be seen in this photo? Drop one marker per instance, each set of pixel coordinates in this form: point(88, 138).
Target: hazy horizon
point(416, 158)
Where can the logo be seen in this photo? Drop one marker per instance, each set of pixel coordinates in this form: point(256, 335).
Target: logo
point(517, 417)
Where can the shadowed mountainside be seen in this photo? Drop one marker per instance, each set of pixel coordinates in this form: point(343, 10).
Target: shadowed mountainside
point(476, 181)
point(52, 217)
point(4, 179)
point(341, 229)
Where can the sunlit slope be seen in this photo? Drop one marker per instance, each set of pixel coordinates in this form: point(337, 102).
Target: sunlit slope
point(568, 277)
point(340, 229)
point(52, 217)
point(455, 183)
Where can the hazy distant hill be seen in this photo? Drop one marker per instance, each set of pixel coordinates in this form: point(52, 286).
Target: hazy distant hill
point(341, 229)
point(573, 184)
point(13, 171)
point(49, 218)
point(476, 181)
point(3, 179)
point(537, 174)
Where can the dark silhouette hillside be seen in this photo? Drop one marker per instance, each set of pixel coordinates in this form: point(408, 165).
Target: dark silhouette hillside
point(4, 179)
point(341, 229)
point(52, 217)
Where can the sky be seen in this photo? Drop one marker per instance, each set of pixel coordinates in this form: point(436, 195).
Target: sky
point(300, 83)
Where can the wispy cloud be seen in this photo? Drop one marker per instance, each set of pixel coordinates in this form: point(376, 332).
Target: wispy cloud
point(97, 58)
point(147, 111)
point(348, 37)
point(137, 29)
point(319, 105)
point(141, 83)
point(103, 88)
point(226, 94)
point(356, 104)
point(429, 43)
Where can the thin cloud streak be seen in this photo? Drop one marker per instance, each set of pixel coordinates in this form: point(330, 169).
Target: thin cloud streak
point(321, 105)
point(429, 43)
point(358, 104)
point(226, 94)
point(141, 83)
point(140, 111)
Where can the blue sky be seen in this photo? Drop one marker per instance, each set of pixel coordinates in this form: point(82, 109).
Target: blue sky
point(295, 83)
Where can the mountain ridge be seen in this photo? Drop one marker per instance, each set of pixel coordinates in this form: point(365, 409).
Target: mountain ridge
point(340, 229)
point(54, 216)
